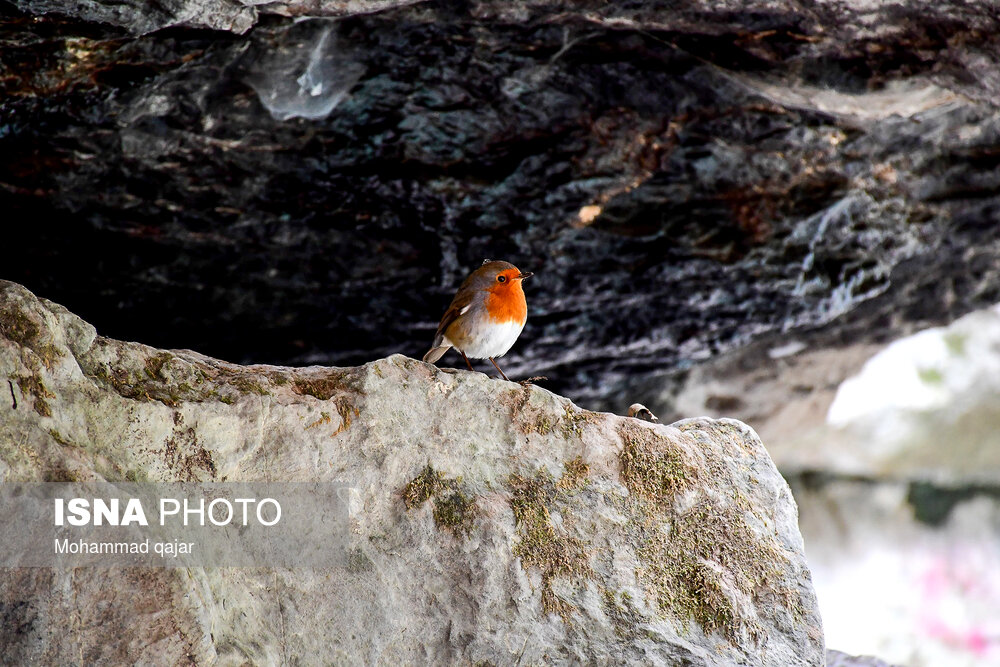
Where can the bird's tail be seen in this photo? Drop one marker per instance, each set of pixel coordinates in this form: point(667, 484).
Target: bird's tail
point(436, 353)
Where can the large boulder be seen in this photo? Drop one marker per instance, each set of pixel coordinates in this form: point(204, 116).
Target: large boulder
point(492, 523)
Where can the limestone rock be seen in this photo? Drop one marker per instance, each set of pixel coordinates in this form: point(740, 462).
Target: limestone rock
point(494, 523)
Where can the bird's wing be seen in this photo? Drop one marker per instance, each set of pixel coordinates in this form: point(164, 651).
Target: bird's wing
point(459, 305)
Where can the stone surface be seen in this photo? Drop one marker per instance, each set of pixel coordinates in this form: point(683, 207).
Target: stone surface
point(683, 179)
point(494, 523)
point(840, 659)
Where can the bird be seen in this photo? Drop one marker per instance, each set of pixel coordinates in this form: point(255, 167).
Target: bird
point(485, 317)
point(640, 411)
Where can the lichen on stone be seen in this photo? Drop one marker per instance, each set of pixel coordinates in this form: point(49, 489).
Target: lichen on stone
point(652, 466)
point(575, 474)
point(541, 547)
point(141, 374)
point(454, 509)
point(32, 385)
point(18, 327)
point(692, 560)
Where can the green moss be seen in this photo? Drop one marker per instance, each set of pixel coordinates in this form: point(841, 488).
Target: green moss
point(422, 487)
point(31, 385)
point(653, 467)
point(248, 385)
point(540, 546)
point(335, 381)
point(144, 375)
point(140, 386)
point(154, 366)
point(454, 509)
point(16, 326)
point(575, 475)
point(704, 547)
point(574, 420)
point(696, 562)
point(930, 376)
point(541, 424)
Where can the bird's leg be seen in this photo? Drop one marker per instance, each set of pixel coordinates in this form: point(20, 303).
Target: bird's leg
point(498, 368)
point(467, 362)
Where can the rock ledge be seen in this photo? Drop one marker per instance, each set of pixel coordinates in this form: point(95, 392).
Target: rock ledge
point(493, 523)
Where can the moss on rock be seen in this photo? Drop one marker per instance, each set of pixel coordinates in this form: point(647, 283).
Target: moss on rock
point(31, 385)
point(575, 474)
point(454, 508)
point(705, 550)
point(540, 546)
point(653, 467)
point(17, 326)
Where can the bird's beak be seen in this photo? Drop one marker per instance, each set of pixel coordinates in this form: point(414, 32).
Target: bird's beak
point(525, 274)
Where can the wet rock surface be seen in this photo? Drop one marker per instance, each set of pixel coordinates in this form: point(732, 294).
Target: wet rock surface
point(681, 180)
point(493, 523)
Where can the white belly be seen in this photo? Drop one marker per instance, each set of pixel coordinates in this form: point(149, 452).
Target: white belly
point(489, 340)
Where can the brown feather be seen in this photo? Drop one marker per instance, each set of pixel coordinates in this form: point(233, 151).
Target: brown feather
point(461, 300)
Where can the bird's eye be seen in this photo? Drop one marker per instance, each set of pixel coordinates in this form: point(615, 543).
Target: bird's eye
point(501, 279)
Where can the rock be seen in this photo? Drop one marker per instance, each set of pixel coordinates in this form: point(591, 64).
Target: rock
point(839, 659)
point(495, 522)
point(684, 180)
point(231, 15)
point(143, 17)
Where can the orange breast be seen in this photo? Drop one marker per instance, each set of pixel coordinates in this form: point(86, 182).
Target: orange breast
point(505, 303)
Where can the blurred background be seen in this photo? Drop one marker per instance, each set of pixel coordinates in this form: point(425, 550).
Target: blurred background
point(778, 211)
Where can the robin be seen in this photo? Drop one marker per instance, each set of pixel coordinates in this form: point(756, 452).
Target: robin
point(485, 317)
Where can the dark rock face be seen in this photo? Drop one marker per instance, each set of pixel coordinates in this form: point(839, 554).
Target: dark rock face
point(681, 181)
